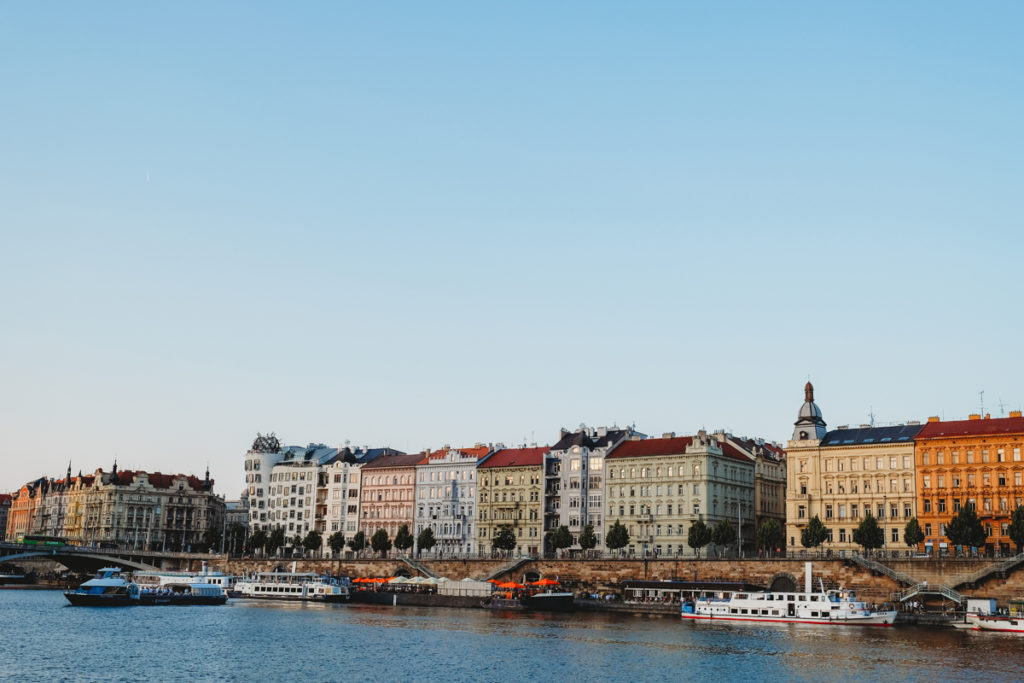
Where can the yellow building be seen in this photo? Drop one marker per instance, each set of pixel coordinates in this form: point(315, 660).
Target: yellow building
point(844, 474)
point(510, 493)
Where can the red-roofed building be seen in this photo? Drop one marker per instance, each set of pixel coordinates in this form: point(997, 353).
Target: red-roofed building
point(657, 488)
point(387, 494)
point(141, 510)
point(446, 489)
point(511, 483)
point(976, 462)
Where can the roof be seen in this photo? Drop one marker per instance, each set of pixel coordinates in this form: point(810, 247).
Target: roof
point(479, 452)
point(649, 447)
point(955, 428)
point(5, 498)
point(864, 436)
point(389, 461)
point(517, 457)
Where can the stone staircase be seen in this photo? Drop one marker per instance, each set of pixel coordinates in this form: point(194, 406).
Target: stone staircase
point(1000, 568)
point(512, 566)
point(417, 566)
point(915, 587)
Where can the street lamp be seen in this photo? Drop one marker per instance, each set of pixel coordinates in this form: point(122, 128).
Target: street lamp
point(885, 527)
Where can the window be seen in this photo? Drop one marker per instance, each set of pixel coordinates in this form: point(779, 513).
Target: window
point(895, 534)
point(927, 481)
point(828, 511)
point(801, 512)
point(942, 504)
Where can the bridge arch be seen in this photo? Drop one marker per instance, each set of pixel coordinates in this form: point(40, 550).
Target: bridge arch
point(783, 582)
point(69, 559)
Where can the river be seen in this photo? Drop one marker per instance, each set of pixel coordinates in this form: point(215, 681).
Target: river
point(42, 638)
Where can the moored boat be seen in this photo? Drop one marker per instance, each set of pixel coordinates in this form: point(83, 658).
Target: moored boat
point(833, 607)
point(540, 596)
point(293, 586)
point(107, 589)
point(1012, 622)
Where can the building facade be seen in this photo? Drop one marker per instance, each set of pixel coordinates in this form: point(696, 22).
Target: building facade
point(5, 508)
point(574, 483)
point(387, 494)
point(446, 487)
point(769, 476)
point(844, 474)
point(511, 487)
point(657, 488)
point(139, 510)
point(975, 462)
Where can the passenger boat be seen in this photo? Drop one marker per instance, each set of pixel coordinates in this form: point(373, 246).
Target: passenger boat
point(834, 607)
point(293, 586)
point(1006, 623)
point(107, 589)
point(187, 592)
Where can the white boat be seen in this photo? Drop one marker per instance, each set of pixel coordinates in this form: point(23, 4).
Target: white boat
point(833, 607)
point(1013, 622)
point(293, 586)
point(107, 589)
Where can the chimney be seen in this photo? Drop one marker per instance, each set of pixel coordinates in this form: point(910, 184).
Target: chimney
point(974, 416)
point(933, 418)
point(668, 435)
point(1015, 413)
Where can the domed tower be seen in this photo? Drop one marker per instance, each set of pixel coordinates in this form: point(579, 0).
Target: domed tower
point(809, 424)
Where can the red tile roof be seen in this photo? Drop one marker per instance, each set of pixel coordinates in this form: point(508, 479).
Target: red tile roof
point(5, 498)
point(517, 457)
point(387, 461)
point(647, 447)
point(477, 451)
point(955, 428)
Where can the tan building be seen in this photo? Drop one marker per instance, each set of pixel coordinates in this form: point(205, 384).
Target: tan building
point(387, 494)
point(769, 476)
point(844, 474)
point(127, 509)
point(657, 488)
point(511, 487)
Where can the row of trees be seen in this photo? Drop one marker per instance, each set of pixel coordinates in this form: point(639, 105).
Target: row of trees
point(964, 529)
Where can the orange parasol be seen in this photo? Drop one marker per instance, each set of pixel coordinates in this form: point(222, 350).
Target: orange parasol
point(545, 582)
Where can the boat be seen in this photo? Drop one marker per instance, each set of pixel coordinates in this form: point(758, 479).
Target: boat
point(833, 607)
point(107, 589)
point(1012, 622)
point(182, 593)
point(293, 586)
point(540, 596)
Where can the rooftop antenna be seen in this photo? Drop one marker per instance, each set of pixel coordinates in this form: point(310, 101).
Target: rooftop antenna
point(871, 415)
point(982, 395)
point(1002, 408)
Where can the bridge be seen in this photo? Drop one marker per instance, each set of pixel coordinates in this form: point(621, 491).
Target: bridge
point(85, 559)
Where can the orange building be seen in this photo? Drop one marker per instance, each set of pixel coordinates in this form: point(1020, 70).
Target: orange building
point(970, 462)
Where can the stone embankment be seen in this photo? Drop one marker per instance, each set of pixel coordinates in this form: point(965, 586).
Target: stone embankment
point(607, 573)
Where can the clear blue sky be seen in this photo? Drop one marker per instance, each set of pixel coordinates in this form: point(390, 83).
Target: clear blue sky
point(418, 224)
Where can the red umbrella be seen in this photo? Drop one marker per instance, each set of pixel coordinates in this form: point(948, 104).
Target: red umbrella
point(545, 582)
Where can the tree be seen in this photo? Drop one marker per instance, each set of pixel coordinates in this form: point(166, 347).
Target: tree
point(698, 536)
point(1016, 529)
point(211, 540)
point(723, 535)
point(770, 535)
point(336, 542)
point(403, 539)
point(313, 541)
point(296, 542)
point(868, 534)
point(965, 528)
point(235, 537)
point(505, 539)
point(425, 540)
point(560, 538)
point(588, 540)
point(380, 541)
point(617, 537)
point(912, 534)
point(275, 540)
point(258, 540)
point(358, 542)
point(814, 534)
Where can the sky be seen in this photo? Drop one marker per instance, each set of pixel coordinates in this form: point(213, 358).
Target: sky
point(418, 224)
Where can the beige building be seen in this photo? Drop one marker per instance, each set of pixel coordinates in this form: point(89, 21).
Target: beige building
point(123, 508)
point(769, 476)
point(511, 487)
point(844, 474)
point(657, 488)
